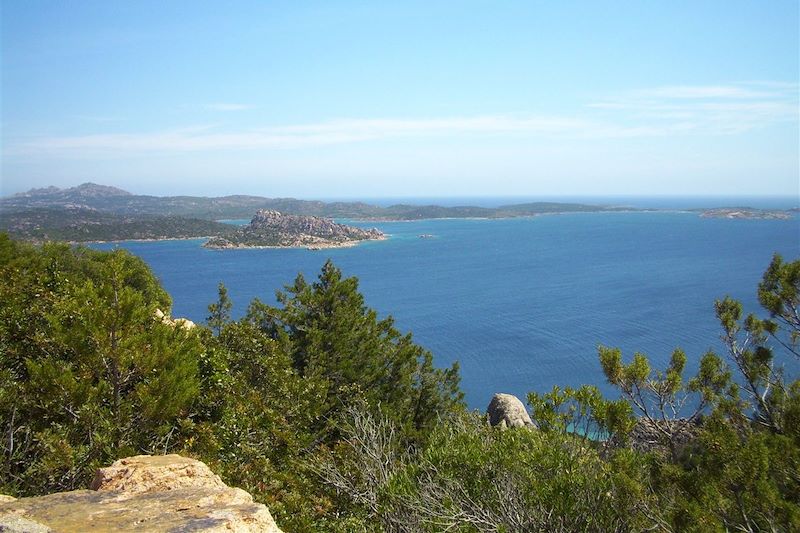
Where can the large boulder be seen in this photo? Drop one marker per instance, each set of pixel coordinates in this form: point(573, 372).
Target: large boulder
point(506, 410)
point(153, 473)
point(143, 493)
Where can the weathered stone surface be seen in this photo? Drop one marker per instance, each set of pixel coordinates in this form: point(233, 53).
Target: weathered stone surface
point(506, 410)
point(150, 473)
point(143, 493)
point(18, 524)
point(4, 498)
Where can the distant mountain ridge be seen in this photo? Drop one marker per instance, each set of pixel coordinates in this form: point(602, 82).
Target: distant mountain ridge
point(84, 190)
point(117, 201)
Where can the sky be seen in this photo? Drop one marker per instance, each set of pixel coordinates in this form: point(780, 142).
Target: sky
point(405, 99)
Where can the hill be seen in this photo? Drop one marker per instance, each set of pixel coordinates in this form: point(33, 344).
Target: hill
point(81, 224)
point(112, 200)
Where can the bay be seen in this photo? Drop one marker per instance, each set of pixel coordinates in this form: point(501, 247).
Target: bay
point(521, 304)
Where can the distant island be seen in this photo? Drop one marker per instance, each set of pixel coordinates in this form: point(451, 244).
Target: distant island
point(272, 229)
point(747, 213)
point(92, 212)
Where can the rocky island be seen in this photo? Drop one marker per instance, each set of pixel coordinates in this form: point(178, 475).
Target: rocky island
point(746, 213)
point(272, 229)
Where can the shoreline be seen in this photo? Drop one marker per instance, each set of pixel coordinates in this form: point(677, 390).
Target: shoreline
point(310, 247)
point(700, 213)
point(152, 239)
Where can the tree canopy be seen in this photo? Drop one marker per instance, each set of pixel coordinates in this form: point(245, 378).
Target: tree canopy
point(339, 422)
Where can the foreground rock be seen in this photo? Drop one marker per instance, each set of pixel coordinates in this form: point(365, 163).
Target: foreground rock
point(143, 493)
point(506, 410)
point(271, 229)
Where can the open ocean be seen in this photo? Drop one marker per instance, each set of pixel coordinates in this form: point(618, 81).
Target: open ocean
point(521, 303)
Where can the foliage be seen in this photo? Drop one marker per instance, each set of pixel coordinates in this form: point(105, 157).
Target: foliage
point(219, 313)
point(708, 456)
point(663, 398)
point(737, 468)
point(581, 413)
point(333, 337)
point(472, 477)
point(251, 422)
point(778, 293)
point(87, 225)
point(89, 374)
point(341, 423)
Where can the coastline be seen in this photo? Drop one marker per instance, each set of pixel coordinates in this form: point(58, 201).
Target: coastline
point(152, 239)
point(708, 213)
point(699, 212)
point(311, 247)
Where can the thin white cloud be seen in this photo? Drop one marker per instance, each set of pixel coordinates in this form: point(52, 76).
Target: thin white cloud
point(222, 106)
point(97, 118)
point(717, 109)
point(664, 111)
point(702, 92)
point(328, 133)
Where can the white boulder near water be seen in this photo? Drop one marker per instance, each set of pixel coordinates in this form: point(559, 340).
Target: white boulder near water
point(506, 410)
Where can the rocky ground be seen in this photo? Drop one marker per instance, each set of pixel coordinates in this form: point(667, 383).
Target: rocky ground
point(143, 493)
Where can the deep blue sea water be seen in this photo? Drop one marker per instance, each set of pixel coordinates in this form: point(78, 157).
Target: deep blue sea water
point(521, 303)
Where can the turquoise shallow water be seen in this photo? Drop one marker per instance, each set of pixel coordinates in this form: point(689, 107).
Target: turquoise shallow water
point(521, 303)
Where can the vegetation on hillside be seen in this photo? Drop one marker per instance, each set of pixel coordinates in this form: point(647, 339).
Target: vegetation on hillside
point(115, 201)
point(339, 422)
point(88, 225)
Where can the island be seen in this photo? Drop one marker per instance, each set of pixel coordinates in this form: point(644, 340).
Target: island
point(747, 213)
point(273, 229)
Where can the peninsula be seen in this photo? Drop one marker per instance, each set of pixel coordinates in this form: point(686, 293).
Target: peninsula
point(272, 229)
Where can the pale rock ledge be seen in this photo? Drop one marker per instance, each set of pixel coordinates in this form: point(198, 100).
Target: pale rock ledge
point(143, 493)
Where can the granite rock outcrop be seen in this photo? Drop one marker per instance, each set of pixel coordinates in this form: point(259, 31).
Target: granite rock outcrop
point(143, 493)
point(506, 410)
point(272, 229)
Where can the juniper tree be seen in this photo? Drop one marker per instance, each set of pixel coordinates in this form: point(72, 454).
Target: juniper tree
point(220, 311)
point(332, 335)
point(108, 379)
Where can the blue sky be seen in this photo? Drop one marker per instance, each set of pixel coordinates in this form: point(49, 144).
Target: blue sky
point(365, 99)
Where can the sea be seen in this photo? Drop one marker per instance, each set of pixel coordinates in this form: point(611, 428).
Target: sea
point(522, 304)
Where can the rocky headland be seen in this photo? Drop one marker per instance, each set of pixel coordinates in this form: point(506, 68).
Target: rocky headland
point(272, 229)
point(142, 493)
